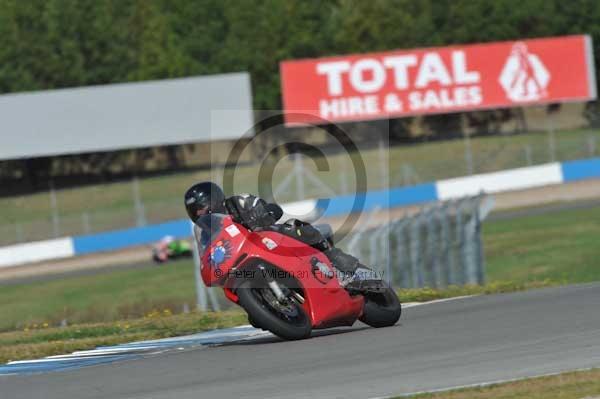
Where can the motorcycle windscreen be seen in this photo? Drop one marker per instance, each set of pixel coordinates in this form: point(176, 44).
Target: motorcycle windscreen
point(207, 228)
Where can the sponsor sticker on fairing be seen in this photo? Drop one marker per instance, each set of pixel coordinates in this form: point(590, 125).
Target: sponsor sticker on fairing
point(270, 244)
point(232, 230)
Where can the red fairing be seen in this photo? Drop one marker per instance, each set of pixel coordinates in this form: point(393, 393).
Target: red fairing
point(234, 250)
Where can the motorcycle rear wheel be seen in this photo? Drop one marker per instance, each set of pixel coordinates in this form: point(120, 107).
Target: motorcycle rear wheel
point(289, 322)
point(381, 309)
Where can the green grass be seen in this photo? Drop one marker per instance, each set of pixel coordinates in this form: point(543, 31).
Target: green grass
point(496, 287)
point(110, 206)
point(526, 252)
point(109, 296)
point(44, 340)
point(572, 385)
point(561, 247)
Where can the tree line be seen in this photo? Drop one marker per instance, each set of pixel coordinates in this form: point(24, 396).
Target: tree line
point(46, 44)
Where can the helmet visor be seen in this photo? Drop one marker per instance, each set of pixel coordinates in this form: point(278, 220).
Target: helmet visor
point(196, 210)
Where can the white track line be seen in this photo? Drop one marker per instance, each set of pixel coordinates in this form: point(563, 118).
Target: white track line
point(413, 304)
point(47, 360)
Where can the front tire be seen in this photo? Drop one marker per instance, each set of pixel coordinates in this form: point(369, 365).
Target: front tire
point(291, 325)
point(381, 309)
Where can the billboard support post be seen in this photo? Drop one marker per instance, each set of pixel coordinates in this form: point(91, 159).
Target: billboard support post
point(591, 145)
point(468, 154)
point(551, 137)
point(552, 145)
point(54, 209)
point(383, 162)
point(19, 232)
point(85, 221)
point(137, 203)
point(528, 160)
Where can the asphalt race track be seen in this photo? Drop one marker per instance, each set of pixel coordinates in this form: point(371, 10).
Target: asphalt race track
point(440, 345)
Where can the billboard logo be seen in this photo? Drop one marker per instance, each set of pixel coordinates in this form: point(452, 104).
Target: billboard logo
point(524, 77)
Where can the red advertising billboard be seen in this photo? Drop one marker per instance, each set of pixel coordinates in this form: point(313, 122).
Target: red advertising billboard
point(438, 80)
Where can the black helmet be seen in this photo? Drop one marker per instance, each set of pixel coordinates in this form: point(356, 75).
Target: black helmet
point(205, 196)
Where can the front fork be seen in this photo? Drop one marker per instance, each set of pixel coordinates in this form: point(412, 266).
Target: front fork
point(281, 293)
point(273, 285)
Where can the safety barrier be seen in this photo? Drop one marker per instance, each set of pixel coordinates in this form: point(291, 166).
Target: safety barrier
point(581, 170)
point(438, 246)
point(490, 183)
point(36, 251)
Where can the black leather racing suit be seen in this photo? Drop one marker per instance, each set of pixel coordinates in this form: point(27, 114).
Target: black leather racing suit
point(255, 213)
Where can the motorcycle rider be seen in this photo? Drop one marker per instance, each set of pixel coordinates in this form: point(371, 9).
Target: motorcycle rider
point(255, 214)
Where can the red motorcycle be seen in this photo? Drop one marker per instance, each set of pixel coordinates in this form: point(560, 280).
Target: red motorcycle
point(286, 286)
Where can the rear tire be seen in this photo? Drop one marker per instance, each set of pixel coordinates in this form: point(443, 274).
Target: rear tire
point(253, 322)
point(381, 309)
point(264, 315)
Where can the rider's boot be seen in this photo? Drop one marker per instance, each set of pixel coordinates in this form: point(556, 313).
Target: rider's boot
point(353, 275)
point(365, 280)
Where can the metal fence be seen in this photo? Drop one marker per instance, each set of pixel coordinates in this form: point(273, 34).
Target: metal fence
point(439, 246)
point(63, 212)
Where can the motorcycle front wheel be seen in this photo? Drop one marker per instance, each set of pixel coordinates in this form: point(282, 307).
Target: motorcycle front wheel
point(286, 320)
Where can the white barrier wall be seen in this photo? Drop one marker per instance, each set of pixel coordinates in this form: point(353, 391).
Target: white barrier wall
point(36, 251)
point(514, 179)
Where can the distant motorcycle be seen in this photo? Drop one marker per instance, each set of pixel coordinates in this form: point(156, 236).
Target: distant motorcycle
point(284, 285)
point(170, 248)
